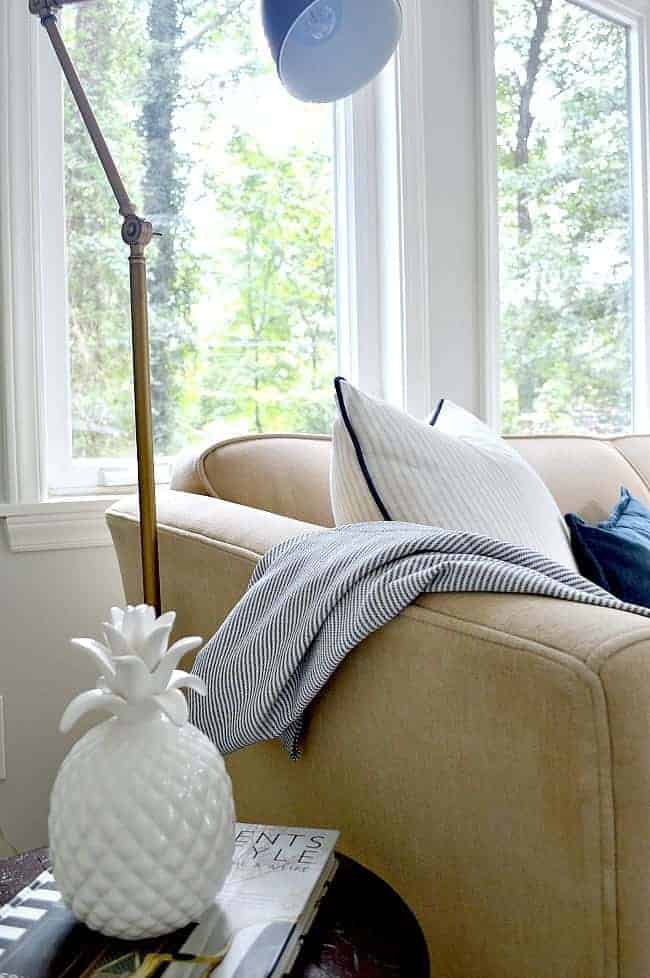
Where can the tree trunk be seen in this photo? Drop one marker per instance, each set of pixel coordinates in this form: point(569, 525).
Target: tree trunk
point(164, 197)
point(528, 381)
point(526, 118)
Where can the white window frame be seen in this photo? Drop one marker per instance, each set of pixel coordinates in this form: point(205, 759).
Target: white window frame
point(383, 247)
point(635, 15)
point(22, 371)
point(382, 313)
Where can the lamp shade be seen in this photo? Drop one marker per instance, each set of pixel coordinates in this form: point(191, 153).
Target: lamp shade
point(328, 49)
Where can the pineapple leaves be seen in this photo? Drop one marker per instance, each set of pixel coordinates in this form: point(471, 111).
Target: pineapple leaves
point(173, 703)
point(168, 618)
point(92, 699)
point(173, 657)
point(115, 639)
point(138, 674)
point(154, 645)
point(98, 652)
point(132, 679)
point(184, 680)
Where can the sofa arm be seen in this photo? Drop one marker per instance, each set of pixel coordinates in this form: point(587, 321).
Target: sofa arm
point(208, 549)
point(488, 754)
point(499, 781)
point(210, 546)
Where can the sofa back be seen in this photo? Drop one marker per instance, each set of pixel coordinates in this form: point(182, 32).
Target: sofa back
point(289, 474)
point(283, 474)
point(585, 474)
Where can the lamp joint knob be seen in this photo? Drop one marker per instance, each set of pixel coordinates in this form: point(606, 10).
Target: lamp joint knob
point(136, 231)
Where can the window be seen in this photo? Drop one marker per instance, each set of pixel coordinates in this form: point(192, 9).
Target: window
point(571, 217)
point(286, 232)
point(238, 178)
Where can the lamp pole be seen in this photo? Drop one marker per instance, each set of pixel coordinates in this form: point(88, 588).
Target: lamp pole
point(317, 47)
point(136, 234)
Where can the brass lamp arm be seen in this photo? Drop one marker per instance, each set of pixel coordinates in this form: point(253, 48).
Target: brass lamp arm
point(136, 233)
point(46, 11)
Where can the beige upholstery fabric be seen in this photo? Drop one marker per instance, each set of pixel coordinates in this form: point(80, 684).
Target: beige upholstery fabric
point(636, 449)
point(187, 475)
point(585, 474)
point(284, 474)
point(289, 475)
point(488, 754)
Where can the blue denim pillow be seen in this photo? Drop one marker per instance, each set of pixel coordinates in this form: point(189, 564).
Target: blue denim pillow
point(615, 554)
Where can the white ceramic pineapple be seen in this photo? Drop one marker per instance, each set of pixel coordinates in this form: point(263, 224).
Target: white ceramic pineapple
point(141, 815)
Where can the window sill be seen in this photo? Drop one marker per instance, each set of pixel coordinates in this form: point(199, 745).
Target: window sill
point(74, 523)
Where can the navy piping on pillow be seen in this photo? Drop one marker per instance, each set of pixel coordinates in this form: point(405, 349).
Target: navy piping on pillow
point(338, 381)
point(436, 413)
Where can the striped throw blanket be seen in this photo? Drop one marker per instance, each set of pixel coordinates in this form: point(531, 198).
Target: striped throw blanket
point(312, 599)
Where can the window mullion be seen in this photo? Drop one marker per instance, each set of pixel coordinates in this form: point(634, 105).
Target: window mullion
point(640, 223)
point(55, 317)
point(384, 326)
point(411, 185)
point(358, 285)
point(488, 215)
point(21, 337)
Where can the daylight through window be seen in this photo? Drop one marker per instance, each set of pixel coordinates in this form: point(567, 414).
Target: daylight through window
point(565, 193)
point(239, 179)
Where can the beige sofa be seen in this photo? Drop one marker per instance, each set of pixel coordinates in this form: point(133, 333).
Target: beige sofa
point(488, 754)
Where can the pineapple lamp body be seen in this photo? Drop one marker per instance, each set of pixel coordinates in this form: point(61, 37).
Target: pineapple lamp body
point(142, 818)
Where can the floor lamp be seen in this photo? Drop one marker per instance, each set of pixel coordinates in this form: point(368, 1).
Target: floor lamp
point(324, 50)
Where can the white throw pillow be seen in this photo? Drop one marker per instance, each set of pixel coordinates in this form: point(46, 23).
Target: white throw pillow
point(452, 472)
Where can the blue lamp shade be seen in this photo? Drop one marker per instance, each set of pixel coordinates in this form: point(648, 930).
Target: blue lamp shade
point(328, 49)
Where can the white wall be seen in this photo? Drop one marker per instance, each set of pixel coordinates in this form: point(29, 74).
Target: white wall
point(45, 599)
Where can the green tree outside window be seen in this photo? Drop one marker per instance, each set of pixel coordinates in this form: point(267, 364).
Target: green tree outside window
point(242, 281)
point(565, 218)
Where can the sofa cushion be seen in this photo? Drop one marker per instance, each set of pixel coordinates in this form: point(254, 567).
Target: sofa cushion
point(453, 473)
point(615, 553)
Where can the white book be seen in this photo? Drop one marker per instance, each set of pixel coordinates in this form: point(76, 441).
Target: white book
point(263, 911)
point(267, 904)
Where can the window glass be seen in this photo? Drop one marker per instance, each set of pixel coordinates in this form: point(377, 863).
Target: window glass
point(564, 128)
point(238, 178)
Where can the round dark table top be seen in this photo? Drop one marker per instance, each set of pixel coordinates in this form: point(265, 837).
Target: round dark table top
point(363, 929)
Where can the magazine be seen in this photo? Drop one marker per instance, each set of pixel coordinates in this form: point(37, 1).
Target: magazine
point(254, 929)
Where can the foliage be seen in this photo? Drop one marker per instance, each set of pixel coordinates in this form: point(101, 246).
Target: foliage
point(273, 368)
point(242, 280)
point(98, 297)
point(565, 224)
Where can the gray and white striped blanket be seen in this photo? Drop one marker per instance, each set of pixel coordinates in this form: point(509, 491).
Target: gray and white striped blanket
point(312, 599)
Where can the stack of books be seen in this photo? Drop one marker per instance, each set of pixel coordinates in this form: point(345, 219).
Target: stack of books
point(254, 930)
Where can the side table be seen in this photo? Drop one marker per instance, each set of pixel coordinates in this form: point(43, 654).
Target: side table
point(363, 928)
